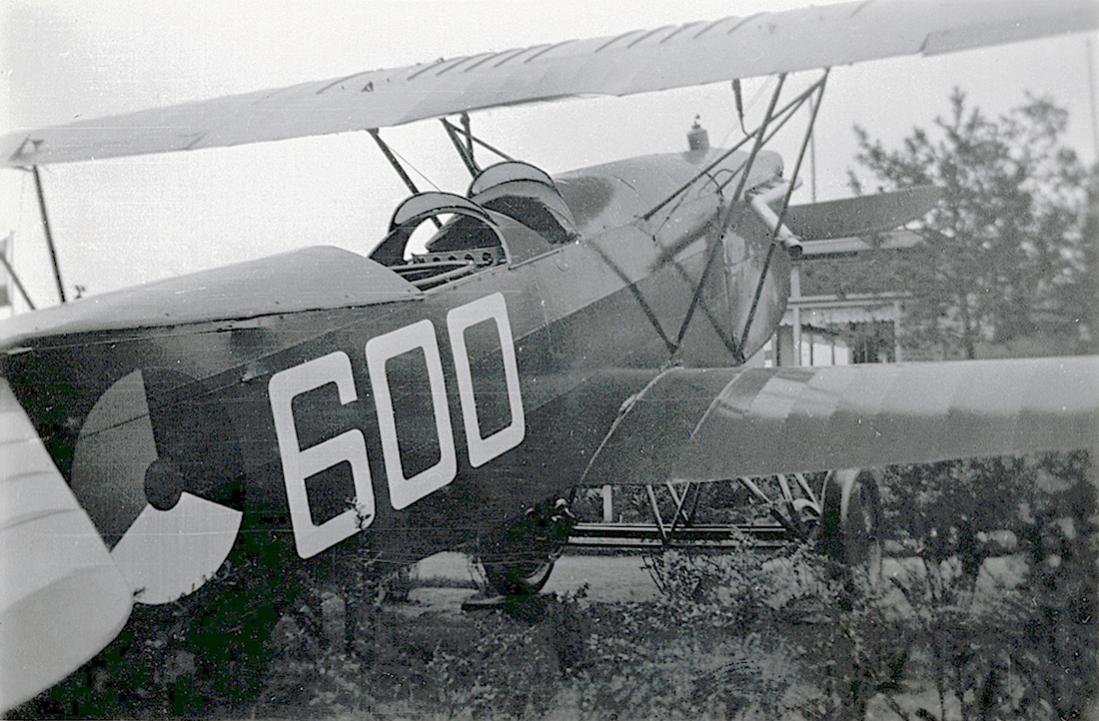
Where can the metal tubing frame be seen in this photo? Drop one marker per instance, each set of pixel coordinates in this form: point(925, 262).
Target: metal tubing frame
point(668, 531)
point(806, 489)
point(656, 513)
point(679, 531)
point(680, 501)
point(787, 496)
point(786, 523)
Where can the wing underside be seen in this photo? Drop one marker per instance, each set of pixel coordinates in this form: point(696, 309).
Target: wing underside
point(634, 62)
point(714, 424)
point(62, 598)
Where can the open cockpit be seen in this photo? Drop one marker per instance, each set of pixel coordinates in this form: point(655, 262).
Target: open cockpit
point(513, 213)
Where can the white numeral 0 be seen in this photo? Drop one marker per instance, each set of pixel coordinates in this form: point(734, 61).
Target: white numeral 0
point(491, 307)
point(403, 491)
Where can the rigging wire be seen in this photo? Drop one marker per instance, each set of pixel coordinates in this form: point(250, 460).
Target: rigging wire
point(747, 107)
point(818, 87)
point(416, 170)
point(476, 140)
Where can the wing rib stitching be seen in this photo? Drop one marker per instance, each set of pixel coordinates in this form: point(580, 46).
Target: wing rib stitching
point(712, 25)
point(615, 39)
point(514, 54)
point(751, 17)
point(546, 49)
point(344, 79)
point(424, 69)
point(648, 35)
point(447, 69)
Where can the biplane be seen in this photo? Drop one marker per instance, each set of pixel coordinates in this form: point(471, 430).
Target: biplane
point(579, 329)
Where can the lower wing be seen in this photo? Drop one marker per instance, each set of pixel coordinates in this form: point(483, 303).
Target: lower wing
point(711, 424)
point(62, 598)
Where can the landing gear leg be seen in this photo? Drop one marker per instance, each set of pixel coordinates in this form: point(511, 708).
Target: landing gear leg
point(851, 522)
point(519, 561)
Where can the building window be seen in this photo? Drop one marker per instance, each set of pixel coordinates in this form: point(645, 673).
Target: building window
point(872, 342)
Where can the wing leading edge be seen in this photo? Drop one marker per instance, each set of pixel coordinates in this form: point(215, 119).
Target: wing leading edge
point(723, 423)
point(634, 62)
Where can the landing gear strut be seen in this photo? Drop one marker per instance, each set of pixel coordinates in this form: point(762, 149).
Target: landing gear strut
point(851, 521)
point(519, 560)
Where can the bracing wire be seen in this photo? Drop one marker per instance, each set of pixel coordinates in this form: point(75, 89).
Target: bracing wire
point(747, 108)
point(415, 170)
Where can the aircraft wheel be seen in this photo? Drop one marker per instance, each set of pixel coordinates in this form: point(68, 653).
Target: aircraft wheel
point(851, 522)
point(520, 561)
point(523, 578)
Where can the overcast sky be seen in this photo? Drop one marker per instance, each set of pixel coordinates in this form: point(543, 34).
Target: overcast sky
point(130, 220)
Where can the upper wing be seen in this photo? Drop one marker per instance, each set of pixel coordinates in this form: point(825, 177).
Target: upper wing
point(633, 62)
point(723, 423)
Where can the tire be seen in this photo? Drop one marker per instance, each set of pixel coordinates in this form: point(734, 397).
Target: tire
point(522, 578)
point(851, 521)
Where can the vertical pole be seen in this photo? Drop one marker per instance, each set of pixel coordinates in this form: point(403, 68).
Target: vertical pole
point(795, 296)
point(1093, 95)
point(897, 355)
point(49, 233)
point(608, 504)
point(812, 154)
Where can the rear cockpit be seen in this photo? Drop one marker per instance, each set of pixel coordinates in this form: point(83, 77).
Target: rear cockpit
point(513, 213)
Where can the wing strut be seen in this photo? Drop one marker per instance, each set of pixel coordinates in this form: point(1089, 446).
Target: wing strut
point(731, 343)
point(786, 113)
point(469, 138)
point(474, 140)
point(463, 153)
point(49, 233)
point(388, 153)
point(778, 227)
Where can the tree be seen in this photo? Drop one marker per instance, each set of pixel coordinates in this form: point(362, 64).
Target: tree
point(1010, 250)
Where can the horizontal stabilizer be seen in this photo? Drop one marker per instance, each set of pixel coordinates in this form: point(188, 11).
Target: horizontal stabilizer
point(714, 424)
point(862, 215)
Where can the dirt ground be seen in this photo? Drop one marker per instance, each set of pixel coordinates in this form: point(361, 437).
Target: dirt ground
point(613, 578)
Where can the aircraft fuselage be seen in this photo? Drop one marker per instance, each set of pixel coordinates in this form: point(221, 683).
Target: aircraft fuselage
point(405, 421)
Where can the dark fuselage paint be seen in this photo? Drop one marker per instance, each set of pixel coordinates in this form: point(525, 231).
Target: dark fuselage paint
point(592, 322)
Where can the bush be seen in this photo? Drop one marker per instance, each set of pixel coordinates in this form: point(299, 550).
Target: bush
point(740, 635)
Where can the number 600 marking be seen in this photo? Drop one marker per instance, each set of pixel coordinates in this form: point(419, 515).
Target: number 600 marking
point(349, 447)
